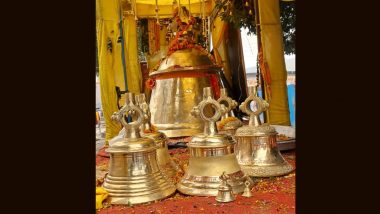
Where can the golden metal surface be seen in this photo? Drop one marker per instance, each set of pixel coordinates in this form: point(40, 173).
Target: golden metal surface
point(134, 176)
point(173, 95)
point(228, 102)
point(190, 59)
point(256, 147)
point(224, 190)
point(211, 154)
point(164, 160)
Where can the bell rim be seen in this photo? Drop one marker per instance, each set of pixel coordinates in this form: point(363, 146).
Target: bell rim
point(200, 69)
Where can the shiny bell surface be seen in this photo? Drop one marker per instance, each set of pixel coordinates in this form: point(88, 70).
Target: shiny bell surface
point(225, 193)
point(134, 176)
point(164, 160)
point(256, 147)
point(211, 154)
point(179, 81)
point(228, 123)
point(247, 191)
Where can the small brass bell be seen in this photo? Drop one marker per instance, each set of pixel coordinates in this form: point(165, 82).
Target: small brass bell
point(211, 154)
point(256, 147)
point(247, 191)
point(134, 176)
point(163, 157)
point(225, 190)
point(229, 123)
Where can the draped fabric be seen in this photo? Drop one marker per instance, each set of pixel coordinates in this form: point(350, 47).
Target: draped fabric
point(274, 62)
point(219, 37)
point(154, 36)
point(111, 71)
point(134, 75)
point(107, 76)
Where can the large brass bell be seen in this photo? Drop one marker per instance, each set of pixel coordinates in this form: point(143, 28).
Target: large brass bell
point(163, 157)
point(256, 147)
point(134, 176)
point(229, 123)
point(179, 82)
point(211, 154)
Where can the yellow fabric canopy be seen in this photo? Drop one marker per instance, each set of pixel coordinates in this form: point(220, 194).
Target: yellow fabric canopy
point(166, 2)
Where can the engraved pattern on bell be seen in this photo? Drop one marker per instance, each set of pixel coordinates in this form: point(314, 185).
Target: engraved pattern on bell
point(256, 147)
point(211, 154)
point(134, 176)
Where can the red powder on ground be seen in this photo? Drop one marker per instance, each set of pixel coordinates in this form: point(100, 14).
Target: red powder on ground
point(270, 195)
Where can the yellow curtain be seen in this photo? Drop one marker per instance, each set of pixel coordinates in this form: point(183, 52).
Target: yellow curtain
point(219, 35)
point(273, 53)
point(134, 76)
point(111, 73)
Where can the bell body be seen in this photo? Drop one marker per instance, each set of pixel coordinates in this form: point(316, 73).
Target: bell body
point(171, 103)
point(210, 156)
point(258, 154)
point(134, 176)
point(179, 82)
point(166, 164)
point(225, 195)
point(164, 161)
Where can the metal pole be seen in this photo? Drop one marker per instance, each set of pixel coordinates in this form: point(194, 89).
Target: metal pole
point(122, 46)
point(258, 33)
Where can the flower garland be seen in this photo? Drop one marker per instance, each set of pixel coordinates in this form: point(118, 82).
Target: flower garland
point(182, 41)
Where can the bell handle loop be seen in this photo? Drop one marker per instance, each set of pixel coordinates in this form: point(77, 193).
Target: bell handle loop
point(119, 116)
point(261, 104)
point(224, 98)
point(219, 110)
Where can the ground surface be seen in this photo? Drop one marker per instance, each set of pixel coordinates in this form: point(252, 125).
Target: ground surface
point(270, 195)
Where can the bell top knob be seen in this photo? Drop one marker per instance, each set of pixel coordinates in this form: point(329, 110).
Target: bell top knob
point(209, 110)
point(141, 102)
point(129, 98)
point(207, 92)
point(227, 101)
point(140, 98)
point(254, 106)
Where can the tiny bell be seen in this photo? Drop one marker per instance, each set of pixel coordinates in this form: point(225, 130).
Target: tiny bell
point(225, 190)
point(247, 191)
